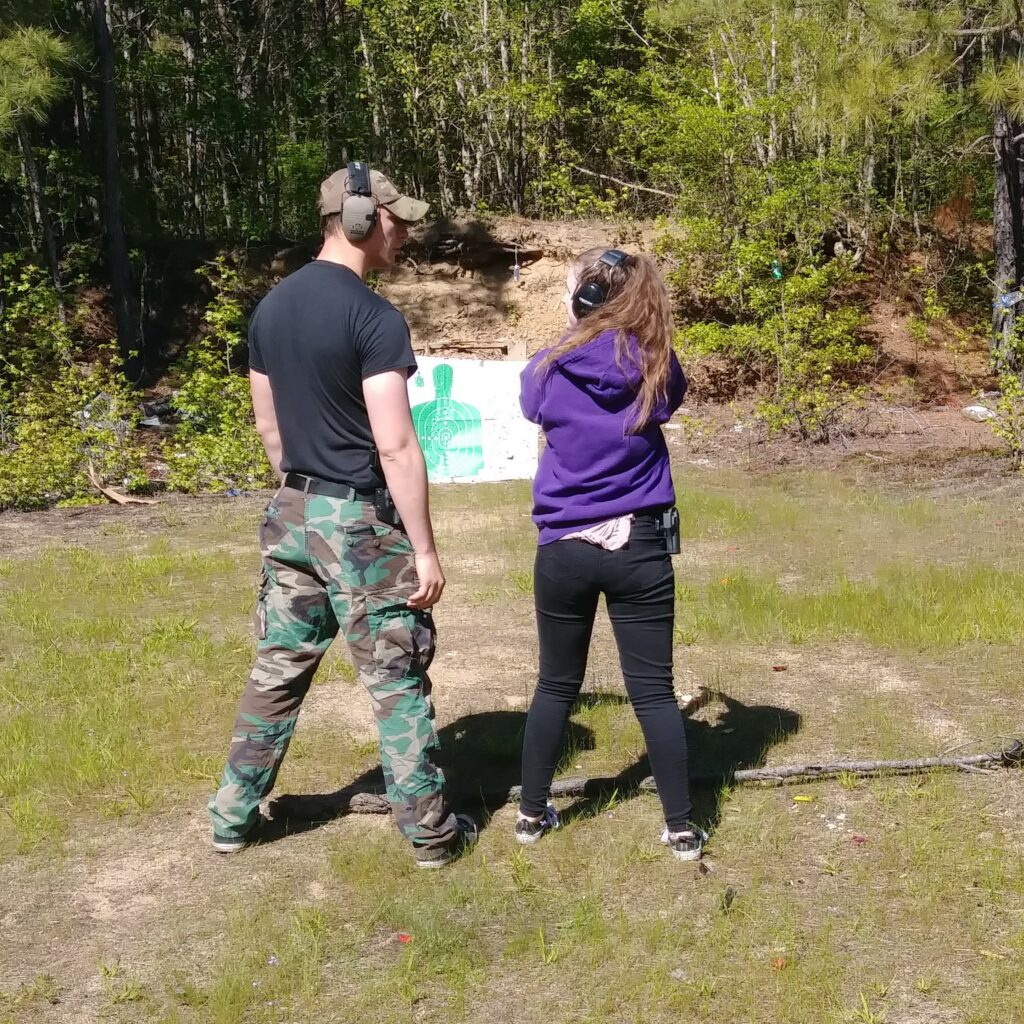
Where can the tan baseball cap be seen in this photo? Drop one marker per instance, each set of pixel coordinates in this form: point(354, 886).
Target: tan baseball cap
point(335, 189)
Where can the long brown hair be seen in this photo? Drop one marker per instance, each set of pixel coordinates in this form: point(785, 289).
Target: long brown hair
point(638, 304)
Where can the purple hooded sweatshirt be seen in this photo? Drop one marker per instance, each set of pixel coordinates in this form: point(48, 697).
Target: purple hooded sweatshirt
point(592, 469)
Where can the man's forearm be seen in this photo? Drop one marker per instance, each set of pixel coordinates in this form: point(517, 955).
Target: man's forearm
point(266, 418)
point(406, 476)
point(272, 446)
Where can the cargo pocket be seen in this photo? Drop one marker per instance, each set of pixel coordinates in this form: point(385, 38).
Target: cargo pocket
point(259, 615)
point(424, 639)
point(392, 642)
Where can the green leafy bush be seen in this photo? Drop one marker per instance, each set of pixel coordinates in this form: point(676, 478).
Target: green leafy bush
point(556, 195)
point(1008, 424)
point(216, 447)
point(754, 273)
point(58, 417)
point(801, 340)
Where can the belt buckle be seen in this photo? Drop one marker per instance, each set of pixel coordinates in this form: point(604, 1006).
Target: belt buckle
point(305, 486)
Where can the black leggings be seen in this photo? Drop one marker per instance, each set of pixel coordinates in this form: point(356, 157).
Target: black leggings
point(639, 586)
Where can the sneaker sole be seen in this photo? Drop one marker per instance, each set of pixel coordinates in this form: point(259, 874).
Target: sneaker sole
point(230, 847)
point(431, 865)
point(525, 840)
point(687, 855)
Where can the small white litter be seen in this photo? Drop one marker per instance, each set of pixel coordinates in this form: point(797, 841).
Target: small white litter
point(978, 413)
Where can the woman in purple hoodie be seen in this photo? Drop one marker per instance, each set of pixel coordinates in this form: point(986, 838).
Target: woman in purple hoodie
point(604, 506)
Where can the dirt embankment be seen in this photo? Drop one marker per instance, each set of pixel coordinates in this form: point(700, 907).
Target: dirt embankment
point(461, 292)
point(493, 289)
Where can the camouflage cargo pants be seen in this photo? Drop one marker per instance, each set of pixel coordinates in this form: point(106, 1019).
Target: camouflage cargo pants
point(329, 563)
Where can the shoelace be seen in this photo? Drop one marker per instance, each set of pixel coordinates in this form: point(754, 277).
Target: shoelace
point(549, 819)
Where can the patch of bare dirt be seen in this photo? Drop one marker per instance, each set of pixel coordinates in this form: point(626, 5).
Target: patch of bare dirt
point(127, 527)
point(944, 366)
point(920, 445)
point(459, 292)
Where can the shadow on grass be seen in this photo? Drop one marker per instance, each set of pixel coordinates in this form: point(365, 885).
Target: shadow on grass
point(480, 755)
point(740, 738)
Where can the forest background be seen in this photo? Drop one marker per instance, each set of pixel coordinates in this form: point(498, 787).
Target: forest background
point(787, 160)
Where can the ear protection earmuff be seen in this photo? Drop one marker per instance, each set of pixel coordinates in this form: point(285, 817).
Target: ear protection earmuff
point(591, 294)
point(359, 209)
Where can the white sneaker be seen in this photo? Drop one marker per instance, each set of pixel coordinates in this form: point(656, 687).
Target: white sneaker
point(529, 832)
point(687, 844)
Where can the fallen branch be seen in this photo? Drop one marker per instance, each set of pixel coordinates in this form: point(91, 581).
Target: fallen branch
point(348, 801)
point(1008, 757)
point(626, 184)
point(115, 496)
point(985, 30)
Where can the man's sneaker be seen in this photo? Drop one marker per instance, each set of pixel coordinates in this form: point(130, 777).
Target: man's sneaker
point(235, 844)
point(687, 844)
point(529, 832)
point(467, 835)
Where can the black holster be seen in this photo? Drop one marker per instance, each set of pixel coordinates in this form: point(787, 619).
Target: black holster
point(384, 506)
point(667, 525)
point(383, 503)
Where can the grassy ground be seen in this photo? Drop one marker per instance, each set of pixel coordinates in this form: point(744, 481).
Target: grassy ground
point(837, 614)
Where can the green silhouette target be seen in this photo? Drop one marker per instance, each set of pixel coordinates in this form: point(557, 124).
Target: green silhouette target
point(450, 432)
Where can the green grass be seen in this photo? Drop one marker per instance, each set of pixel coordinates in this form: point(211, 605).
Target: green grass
point(902, 605)
point(39, 992)
point(118, 681)
point(267, 963)
point(598, 925)
point(896, 614)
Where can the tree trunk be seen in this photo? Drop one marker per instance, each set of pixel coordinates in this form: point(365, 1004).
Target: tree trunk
point(469, 190)
point(191, 47)
point(41, 209)
point(1007, 238)
point(82, 122)
point(125, 310)
point(742, 88)
point(867, 180)
point(773, 82)
point(524, 78)
point(377, 113)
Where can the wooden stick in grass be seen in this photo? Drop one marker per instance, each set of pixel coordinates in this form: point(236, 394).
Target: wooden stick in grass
point(115, 496)
point(346, 801)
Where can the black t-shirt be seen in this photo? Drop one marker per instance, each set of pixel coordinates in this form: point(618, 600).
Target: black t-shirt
point(317, 335)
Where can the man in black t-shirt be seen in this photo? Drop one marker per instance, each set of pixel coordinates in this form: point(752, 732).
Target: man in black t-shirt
point(329, 360)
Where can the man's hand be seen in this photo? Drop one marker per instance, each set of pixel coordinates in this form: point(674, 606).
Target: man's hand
point(431, 582)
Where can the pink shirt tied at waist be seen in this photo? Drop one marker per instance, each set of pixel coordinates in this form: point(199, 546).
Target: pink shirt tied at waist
point(610, 535)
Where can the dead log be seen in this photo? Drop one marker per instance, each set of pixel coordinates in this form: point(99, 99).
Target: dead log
point(349, 801)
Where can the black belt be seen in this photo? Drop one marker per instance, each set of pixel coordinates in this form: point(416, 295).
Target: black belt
point(651, 515)
point(313, 485)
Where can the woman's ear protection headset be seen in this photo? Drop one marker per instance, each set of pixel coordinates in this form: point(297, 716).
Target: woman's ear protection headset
point(591, 294)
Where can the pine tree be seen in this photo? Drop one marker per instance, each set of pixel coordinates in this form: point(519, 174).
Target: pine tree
point(31, 62)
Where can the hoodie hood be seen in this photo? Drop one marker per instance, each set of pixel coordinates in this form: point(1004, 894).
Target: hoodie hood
point(594, 368)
